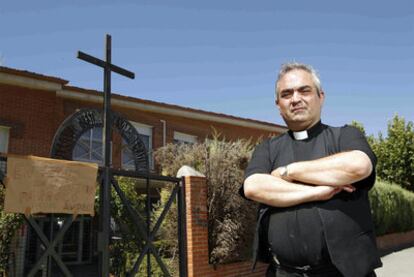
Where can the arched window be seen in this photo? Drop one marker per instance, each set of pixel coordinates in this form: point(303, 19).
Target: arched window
point(89, 147)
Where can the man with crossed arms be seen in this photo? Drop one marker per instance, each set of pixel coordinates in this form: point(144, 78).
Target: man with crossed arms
point(312, 184)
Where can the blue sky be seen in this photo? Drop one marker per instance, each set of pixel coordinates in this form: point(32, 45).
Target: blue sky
point(223, 56)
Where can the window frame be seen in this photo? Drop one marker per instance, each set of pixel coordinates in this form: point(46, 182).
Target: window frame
point(7, 132)
point(180, 137)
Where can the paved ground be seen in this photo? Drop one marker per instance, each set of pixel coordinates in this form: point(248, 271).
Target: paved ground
point(397, 264)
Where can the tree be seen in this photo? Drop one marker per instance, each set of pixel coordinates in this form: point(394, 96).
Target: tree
point(395, 153)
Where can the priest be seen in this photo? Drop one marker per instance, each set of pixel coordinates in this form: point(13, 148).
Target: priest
point(312, 184)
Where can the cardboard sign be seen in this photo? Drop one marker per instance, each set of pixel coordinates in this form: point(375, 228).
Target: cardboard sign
point(42, 185)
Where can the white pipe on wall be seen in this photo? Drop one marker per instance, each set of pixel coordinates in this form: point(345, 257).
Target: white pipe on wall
point(164, 131)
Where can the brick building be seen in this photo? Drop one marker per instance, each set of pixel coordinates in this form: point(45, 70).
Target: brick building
point(32, 107)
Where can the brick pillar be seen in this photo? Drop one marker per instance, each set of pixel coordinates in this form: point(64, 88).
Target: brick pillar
point(197, 234)
point(197, 225)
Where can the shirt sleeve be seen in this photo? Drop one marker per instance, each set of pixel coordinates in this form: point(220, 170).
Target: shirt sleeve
point(352, 138)
point(259, 163)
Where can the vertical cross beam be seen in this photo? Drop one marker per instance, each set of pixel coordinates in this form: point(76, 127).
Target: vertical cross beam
point(105, 192)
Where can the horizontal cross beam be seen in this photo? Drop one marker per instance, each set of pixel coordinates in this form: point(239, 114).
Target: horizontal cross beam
point(103, 64)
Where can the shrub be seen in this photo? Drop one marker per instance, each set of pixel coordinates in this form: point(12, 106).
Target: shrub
point(9, 224)
point(231, 218)
point(167, 234)
point(124, 250)
point(392, 208)
point(129, 243)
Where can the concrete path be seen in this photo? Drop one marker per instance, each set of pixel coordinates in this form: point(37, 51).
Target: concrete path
point(397, 264)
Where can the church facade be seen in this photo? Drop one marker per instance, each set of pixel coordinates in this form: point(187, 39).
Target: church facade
point(32, 107)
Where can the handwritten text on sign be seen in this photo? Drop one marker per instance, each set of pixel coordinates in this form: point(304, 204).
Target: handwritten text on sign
point(42, 185)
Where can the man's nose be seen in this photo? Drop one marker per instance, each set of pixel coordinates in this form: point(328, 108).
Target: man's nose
point(296, 97)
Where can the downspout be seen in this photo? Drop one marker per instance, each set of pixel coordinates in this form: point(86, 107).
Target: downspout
point(164, 132)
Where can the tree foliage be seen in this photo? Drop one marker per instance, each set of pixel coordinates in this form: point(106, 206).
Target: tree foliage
point(395, 152)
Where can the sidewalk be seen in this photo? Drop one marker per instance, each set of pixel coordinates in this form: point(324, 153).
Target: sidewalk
point(397, 264)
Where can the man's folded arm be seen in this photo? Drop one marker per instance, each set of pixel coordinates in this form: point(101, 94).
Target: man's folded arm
point(336, 170)
point(276, 192)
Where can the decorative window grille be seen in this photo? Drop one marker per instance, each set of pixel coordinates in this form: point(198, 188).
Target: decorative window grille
point(145, 133)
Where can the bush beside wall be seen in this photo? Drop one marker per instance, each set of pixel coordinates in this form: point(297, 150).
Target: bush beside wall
point(9, 224)
point(231, 219)
point(392, 208)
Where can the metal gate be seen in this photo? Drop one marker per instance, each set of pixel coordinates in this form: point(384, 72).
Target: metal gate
point(144, 225)
point(147, 229)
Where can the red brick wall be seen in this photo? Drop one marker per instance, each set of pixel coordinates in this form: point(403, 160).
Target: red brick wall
point(31, 114)
point(197, 237)
point(391, 241)
point(35, 115)
point(199, 128)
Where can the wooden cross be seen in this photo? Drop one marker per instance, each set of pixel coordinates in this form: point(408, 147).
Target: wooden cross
point(105, 196)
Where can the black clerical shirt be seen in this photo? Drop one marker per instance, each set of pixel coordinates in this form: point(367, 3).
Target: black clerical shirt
point(305, 234)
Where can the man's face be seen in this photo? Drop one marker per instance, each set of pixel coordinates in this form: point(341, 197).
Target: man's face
point(298, 100)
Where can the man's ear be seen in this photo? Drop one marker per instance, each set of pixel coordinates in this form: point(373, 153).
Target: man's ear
point(278, 107)
point(322, 97)
point(277, 104)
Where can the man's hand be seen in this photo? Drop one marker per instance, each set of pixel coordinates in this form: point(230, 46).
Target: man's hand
point(325, 192)
point(278, 173)
point(348, 188)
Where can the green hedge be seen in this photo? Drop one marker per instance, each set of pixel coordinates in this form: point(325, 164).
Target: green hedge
point(9, 224)
point(392, 208)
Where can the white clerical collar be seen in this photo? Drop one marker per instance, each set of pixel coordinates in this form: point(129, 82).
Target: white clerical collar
point(300, 135)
